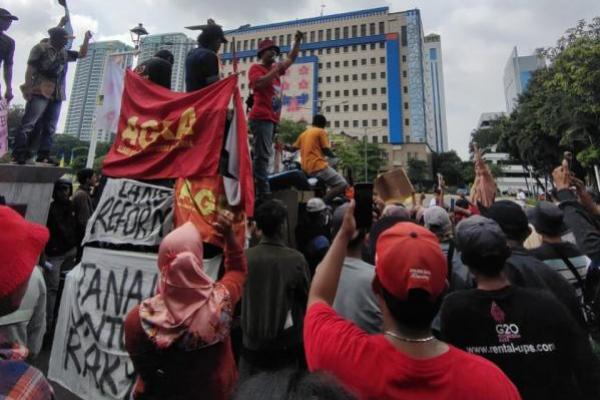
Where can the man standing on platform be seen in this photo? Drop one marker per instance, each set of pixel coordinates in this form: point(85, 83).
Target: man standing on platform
point(7, 51)
point(266, 86)
point(44, 91)
point(202, 63)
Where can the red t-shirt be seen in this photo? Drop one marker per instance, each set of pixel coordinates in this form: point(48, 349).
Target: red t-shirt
point(373, 368)
point(267, 101)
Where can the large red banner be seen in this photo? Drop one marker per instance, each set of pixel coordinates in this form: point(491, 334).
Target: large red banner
point(164, 134)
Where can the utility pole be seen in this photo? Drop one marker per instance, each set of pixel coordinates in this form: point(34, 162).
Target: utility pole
point(365, 139)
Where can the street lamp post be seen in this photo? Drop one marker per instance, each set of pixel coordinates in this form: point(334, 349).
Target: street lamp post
point(365, 139)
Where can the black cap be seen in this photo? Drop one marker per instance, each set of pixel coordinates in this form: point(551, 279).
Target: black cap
point(5, 14)
point(480, 235)
point(213, 30)
point(511, 218)
point(547, 219)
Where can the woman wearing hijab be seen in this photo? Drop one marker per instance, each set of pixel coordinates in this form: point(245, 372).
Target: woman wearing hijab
point(179, 339)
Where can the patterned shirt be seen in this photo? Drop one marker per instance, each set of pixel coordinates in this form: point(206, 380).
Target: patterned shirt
point(51, 68)
point(18, 380)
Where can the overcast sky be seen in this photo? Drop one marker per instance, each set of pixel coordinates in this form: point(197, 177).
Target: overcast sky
point(477, 35)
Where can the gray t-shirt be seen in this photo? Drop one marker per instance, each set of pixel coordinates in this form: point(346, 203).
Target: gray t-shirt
point(355, 300)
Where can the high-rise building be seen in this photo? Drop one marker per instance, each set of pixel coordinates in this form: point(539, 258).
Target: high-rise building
point(366, 71)
point(86, 88)
point(433, 50)
point(517, 72)
point(177, 43)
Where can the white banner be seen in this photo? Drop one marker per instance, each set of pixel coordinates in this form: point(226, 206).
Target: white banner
point(109, 105)
point(88, 354)
point(3, 127)
point(131, 212)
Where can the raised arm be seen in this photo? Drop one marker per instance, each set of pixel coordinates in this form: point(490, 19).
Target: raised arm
point(327, 275)
point(235, 260)
point(268, 78)
point(83, 50)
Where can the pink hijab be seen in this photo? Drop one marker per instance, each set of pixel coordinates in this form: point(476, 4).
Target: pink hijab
point(189, 307)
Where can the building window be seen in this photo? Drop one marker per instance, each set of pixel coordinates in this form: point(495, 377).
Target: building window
point(336, 33)
point(382, 75)
point(337, 109)
point(373, 60)
point(337, 93)
point(375, 138)
point(354, 48)
point(320, 94)
point(312, 36)
point(345, 78)
point(320, 80)
point(372, 29)
point(355, 107)
point(374, 107)
point(374, 123)
point(320, 51)
point(328, 109)
point(345, 63)
point(363, 61)
point(281, 40)
point(327, 94)
point(382, 45)
point(345, 32)
point(346, 123)
point(346, 93)
point(363, 30)
point(354, 31)
point(328, 125)
point(336, 50)
point(382, 60)
point(336, 124)
point(365, 107)
point(404, 34)
point(346, 107)
point(364, 92)
point(374, 91)
point(320, 35)
point(320, 65)
point(354, 62)
point(363, 47)
point(384, 122)
point(406, 121)
point(328, 34)
point(337, 78)
point(328, 79)
point(365, 123)
point(289, 39)
point(383, 106)
point(345, 49)
point(328, 65)
point(384, 139)
point(373, 45)
point(373, 75)
point(403, 58)
point(328, 51)
point(405, 89)
point(354, 77)
point(355, 123)
point(404, 74)
point(406, 106)
point(363, 77)
point(381, 27)
point(354, 92)
point(337, 64)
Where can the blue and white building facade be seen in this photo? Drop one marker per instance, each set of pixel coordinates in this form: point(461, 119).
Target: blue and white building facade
point(433, 50)
point(517, 73)
point(370, 72)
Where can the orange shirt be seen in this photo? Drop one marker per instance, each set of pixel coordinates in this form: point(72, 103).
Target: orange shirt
point(311, 142)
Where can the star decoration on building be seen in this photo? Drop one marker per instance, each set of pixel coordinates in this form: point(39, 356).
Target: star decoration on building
point(303, 85)
point(303, 70)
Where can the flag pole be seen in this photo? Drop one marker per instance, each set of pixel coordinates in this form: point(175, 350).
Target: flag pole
point(234, 55)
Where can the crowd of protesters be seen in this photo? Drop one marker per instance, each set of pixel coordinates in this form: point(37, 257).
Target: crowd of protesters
point(425, 302)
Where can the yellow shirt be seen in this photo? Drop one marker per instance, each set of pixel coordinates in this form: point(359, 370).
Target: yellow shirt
point(311, 142)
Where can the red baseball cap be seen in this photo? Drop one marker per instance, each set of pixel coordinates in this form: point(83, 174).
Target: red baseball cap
point(21, 243)
point(267, 44)
point(407, 257)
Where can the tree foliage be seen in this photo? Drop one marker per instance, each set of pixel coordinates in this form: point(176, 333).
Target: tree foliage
point(417, 170)
point(351, 155)
point(288, 131)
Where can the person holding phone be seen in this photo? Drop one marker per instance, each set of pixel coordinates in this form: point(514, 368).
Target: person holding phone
point(314, 146)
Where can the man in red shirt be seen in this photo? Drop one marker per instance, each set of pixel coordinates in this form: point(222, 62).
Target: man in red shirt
point(264, 115)
point(407, 361)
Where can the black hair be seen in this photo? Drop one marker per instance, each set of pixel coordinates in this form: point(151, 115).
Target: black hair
point(319, 121)
point(270, 217)
point(84, 174)
point(165, 55)
point(210, 33)
point(416, 312)
point(489, 265)
point(292, 384)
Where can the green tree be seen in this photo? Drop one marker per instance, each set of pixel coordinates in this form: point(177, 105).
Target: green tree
point(450, 166)
point(417, 170)
point(289, 131)
point(351, 155)
point(489, 136)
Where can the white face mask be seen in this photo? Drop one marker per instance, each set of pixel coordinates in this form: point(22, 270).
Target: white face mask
point(211, 266)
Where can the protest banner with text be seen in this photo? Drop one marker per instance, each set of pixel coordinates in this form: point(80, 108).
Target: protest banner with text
point(88, 354)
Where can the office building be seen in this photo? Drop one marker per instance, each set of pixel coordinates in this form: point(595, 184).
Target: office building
point(86, 88)
point(366, 70)
point(517, 73)
point(433, 51)
point(177, 43)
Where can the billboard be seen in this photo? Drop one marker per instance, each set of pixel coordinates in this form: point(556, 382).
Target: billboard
point(299, 90)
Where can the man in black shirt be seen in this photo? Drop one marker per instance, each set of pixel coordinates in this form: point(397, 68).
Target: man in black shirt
point(202, 63)
point(7, 51)
point(522, 268)
point(158, 68)
point(526, 332)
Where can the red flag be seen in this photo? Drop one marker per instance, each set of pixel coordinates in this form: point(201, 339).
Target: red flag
point(164, 134)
